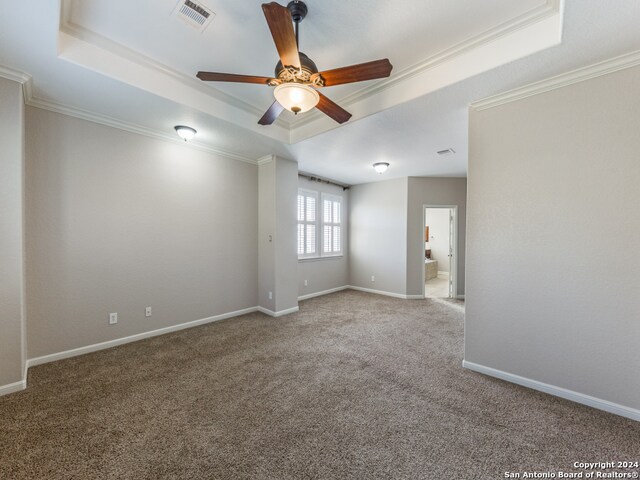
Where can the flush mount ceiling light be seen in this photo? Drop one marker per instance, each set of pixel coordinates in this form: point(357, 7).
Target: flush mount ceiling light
point(296, 97)
point(381, 167)
point(186, 133)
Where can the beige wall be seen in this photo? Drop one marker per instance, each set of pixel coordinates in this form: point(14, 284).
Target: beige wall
point(378, 236)
point(552, 178)
point(277, 272)
point(118, 221)
point(387, 236)
point(286, 260)
point(11, 232)
point(266, 235)
point(330, 272)
point(433, 191)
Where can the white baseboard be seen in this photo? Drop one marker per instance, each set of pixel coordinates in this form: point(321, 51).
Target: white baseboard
point(387, 294)
point(133, 338)
point(362, 289)
point(577, 397)
point(13, 387)
point(281, 313)
point(323, 292)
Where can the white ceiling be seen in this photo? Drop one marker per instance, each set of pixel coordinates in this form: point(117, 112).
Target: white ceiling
point(335, 33)
point(406, 132)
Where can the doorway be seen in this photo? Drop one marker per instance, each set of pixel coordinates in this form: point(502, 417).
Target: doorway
point(439, 237)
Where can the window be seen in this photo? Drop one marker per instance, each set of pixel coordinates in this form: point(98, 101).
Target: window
point(331, 225)
point(307, 223)
point(319, 230)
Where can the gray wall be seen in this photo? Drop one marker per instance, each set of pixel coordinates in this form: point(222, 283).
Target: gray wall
point(329, 272)
point(433, 191)
point(266, 235)
point(378, 235)
point(278, 189)
point(552, 178)
point(11, 232)
point(118, 221)
point(286, 280)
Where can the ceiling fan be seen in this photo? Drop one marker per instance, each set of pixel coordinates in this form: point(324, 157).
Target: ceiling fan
point(296, 76)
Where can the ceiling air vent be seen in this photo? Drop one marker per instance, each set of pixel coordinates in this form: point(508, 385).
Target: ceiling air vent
point(194, 14)
point(448, 151)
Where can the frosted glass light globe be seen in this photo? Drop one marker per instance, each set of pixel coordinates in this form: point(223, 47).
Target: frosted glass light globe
point(295, 97)
point(381, 167)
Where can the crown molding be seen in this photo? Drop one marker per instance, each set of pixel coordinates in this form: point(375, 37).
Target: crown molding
point(14, 75)
point(20, 77)
point(606, 67)
point(132, 128)
point(84, 34)
point(542, 12)
point(266, 159)
point(26, 81)
point(120, 50)
point(302, 127)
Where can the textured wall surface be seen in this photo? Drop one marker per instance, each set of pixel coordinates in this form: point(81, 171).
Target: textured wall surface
point(118, 221)
point(378, 236)
point(552, 178)
point(433, 191)
point(11, 232)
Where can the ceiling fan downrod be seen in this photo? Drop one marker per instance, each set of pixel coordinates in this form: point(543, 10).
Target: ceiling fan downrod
point(298, 11)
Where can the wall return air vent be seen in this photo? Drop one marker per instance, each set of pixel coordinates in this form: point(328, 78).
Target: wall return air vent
point(195, 14)
point(448, 151)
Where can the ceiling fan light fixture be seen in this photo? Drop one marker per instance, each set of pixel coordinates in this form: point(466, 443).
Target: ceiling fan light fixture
point(296, 97)
point(381, 167)
point(184, 132)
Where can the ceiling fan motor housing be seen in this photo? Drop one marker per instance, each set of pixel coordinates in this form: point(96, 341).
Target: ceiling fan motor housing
point(306, 63)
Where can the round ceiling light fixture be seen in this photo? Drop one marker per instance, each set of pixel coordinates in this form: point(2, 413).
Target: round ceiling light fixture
point(186, 133)
point(381, 167)
point(296, 97)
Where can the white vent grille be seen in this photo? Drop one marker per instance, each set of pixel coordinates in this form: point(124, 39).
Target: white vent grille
point(448, 151)
point(195, 14)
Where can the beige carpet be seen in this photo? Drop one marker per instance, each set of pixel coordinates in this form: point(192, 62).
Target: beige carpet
point(354, 386)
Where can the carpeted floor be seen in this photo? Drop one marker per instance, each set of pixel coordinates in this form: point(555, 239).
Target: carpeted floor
point(354, 386)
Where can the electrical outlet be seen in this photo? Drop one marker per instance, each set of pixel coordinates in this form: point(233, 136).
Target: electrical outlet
point(270, 295)
point(147, 312)
point(373, 278)
point(113, 318)
point(306, 283)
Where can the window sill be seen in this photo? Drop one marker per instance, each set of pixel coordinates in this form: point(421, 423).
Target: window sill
point(316, 259)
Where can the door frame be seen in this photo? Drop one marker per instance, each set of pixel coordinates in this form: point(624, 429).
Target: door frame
point(454, 260)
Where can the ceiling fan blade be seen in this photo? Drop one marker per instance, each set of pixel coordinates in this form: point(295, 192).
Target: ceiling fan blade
point(357, 73)
point(231, 77)
point(270, 115)
point(281, 26)
point(332, 109)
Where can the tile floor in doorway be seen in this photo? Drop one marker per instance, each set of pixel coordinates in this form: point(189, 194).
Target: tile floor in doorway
point(437, 287)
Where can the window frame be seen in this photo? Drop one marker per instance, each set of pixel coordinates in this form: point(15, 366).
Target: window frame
point(331, 197)
point(307, 193)
point(319, 223)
